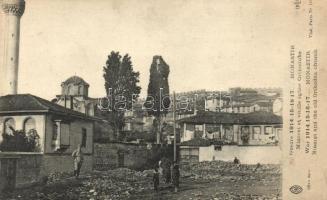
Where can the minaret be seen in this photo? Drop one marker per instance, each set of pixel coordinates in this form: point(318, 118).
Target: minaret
point(11, 12)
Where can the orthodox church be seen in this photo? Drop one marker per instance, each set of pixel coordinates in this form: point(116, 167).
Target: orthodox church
point(74, 95)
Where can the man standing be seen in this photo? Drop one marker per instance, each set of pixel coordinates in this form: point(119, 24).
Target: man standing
point(78, 160)
point(165, 165)
point(156, 179)
point(176, 176)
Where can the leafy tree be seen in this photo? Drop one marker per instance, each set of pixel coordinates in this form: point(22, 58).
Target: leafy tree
point(20, 141)
point(121, 84)
point(158, 101)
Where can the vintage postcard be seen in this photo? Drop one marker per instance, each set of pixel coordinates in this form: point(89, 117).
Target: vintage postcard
point(154, 99)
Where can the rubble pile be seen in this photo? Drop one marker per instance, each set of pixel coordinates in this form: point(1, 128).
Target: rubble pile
point(119, 183)
point(229, 170)
point(231, 182)
point(57, 176)
point(116, 184)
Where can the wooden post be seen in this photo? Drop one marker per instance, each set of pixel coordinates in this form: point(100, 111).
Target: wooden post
point(174, 116)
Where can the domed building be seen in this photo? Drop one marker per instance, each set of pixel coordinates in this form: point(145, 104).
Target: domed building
point(74, 95)
point(76, 86)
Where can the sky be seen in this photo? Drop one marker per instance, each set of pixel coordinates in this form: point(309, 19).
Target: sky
point(210, 45)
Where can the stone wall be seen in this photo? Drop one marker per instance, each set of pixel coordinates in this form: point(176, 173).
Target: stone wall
point(22, 169)
point(26, 169)
point(52, 163)
point(189, 153)
point(134, 156)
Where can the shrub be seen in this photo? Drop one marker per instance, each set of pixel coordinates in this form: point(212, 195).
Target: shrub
point(20, 141)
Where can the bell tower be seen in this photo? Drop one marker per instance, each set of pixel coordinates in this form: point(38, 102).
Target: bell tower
point(11, 12)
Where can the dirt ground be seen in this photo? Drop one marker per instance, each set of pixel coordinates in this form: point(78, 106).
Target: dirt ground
point(198, 181)
point(216, 190)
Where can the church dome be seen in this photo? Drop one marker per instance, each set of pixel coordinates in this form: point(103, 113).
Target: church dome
point(75, 80)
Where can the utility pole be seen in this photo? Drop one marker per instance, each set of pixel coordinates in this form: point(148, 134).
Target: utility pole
point(174, 116)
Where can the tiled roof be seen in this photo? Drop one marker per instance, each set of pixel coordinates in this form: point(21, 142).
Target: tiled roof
point(261, 118)
point(254, 98)
point(233, 118)
point(212, 118)
point(27, 103)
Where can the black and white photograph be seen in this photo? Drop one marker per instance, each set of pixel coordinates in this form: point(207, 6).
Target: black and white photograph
point(115, 100)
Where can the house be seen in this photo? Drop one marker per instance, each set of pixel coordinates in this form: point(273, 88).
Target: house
point(60, 129)
point(256, 128)
point(251, 137)
point(248, 107)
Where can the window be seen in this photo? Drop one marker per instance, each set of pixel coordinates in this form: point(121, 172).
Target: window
point(128, 126)
point(198, 127)
point(83, 144)
point(9, 126)
point(190, 127)
point(256, 132)
point(228, 133)
point(245, 134)
point(69, 90)
point(268, 130)
point(29, 124)
point(218, 148)
point(55, 132)
point(79, 90)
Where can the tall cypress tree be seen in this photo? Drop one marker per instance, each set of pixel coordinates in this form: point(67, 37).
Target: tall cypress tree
point(158, 92)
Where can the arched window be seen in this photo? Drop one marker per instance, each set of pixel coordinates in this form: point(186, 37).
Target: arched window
point(29, 124)
point(9, 126)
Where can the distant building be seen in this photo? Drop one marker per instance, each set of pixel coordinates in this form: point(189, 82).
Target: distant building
point(243, 100)
point(251, 137)
point(75, 96)
point(277, 106)
point(256, 128)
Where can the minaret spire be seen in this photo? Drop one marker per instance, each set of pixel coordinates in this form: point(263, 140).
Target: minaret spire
point(11, 10)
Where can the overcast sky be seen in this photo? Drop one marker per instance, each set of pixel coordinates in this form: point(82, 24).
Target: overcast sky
point(208, 44)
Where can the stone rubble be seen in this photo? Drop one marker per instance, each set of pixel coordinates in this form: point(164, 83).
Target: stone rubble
point(228, 170)
point(123, 183)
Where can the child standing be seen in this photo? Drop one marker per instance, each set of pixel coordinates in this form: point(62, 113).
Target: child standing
point(156, 179)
